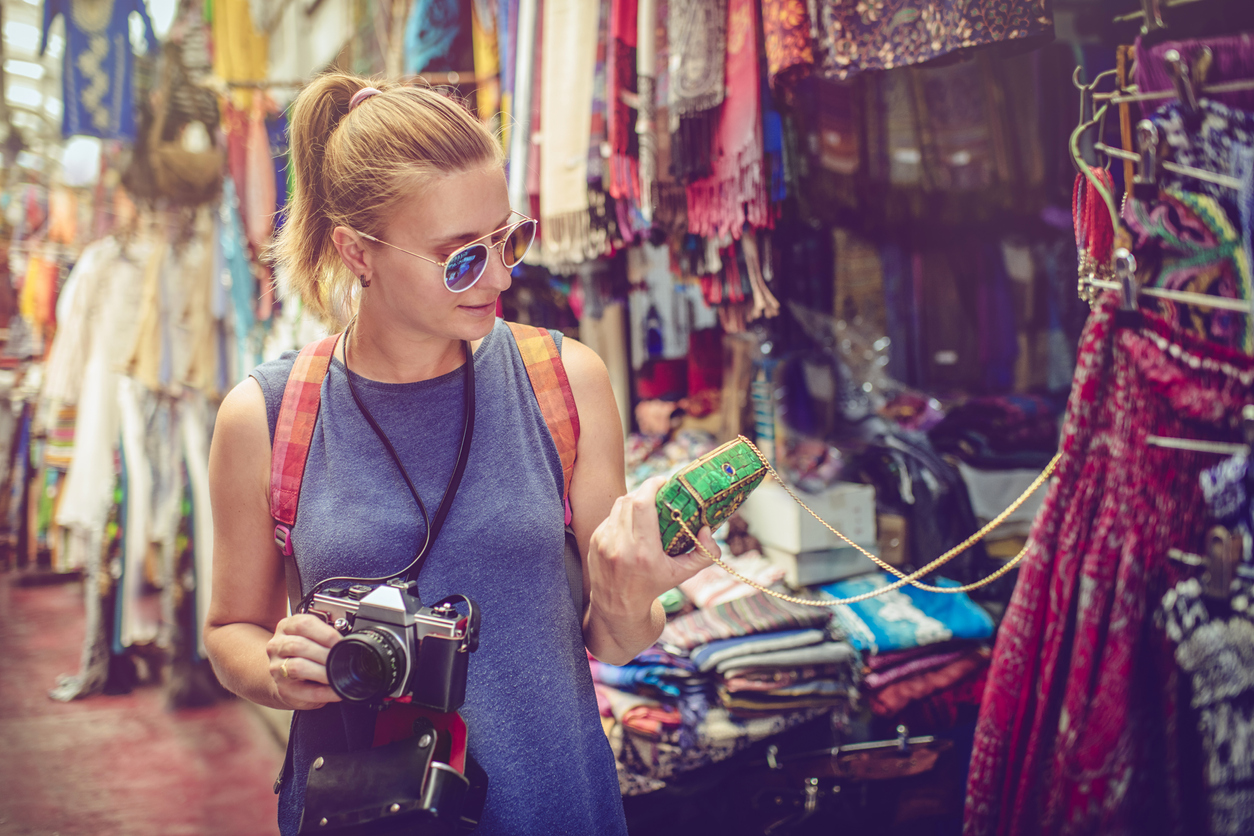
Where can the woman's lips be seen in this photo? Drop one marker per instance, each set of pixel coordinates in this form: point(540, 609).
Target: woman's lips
point(480, 310)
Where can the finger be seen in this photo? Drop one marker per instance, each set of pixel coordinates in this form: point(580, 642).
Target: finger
point(310, 627)
point(706, 538)
point(701, 555)
point(644, 513)
point(296, 669)
point(299, 646)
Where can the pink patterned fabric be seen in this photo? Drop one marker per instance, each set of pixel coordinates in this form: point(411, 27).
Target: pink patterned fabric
point(1077, 729)
point(295, 428)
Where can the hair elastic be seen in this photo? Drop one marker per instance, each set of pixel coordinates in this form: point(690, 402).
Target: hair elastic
point(361, 95)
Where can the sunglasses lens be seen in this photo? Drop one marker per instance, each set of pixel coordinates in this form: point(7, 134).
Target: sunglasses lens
point(465, 267)
point(518, 243)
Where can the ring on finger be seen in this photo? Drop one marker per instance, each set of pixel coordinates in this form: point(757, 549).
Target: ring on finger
point(283, 668)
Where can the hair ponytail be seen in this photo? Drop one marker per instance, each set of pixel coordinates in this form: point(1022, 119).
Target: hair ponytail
point(350, 166)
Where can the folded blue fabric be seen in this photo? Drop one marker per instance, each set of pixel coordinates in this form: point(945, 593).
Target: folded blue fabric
point(631, 677)
point(708, 656)
point(906, 617)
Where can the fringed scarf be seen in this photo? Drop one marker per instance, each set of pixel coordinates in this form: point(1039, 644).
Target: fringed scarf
point(670, 199)
point(735, 192)
point(569, 68)
point(624, 182)
point(698, 43)
point(604, 228)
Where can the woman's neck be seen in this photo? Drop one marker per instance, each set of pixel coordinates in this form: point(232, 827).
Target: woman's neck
point(380, 351)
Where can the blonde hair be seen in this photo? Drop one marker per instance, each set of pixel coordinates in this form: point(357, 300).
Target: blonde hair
point(352, 165)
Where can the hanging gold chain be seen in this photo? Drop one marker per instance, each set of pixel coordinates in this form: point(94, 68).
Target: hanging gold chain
point(902, 579)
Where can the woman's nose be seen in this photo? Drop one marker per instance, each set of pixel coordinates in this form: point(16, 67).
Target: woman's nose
point(496, 275)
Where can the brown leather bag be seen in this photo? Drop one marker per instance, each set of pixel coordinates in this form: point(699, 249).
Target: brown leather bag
point(180, 175)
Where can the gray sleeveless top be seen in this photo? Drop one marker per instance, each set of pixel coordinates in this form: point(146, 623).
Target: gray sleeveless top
point(530, 707)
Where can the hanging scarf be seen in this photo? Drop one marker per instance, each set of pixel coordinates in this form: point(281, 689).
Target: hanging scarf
point(646, 100)
point(896, 33)
point(670, 198)
point(569, 65)
point(622, 118)
point(487, 57)
point(698, 35)
point(604, 228)
point(507, 34)
point(789, 42)
point(432, 33)
point(735, 192)
point(697, 42)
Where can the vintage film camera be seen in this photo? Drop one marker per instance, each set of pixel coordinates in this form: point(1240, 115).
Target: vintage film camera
point(394, 647)
point(419, 778)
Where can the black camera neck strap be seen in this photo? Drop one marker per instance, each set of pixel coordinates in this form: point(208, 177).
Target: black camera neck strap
point(432, 525)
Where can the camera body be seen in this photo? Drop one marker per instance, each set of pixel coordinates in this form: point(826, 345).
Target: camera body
point(396, 648)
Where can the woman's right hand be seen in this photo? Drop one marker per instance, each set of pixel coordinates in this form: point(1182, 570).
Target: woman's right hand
point(298, 661)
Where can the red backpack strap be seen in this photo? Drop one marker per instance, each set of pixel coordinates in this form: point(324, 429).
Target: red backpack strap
point(293, 435)
point(553, 393)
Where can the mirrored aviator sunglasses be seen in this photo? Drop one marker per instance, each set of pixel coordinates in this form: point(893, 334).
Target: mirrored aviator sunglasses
point(465, 266)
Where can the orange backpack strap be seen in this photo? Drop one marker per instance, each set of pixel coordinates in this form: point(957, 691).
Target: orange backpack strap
point(292, 437)
point(553, 393)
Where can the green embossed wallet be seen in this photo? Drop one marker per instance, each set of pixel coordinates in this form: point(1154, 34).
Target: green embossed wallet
point(707, 492)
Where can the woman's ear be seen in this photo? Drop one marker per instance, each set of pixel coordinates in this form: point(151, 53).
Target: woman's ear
point(352, 249)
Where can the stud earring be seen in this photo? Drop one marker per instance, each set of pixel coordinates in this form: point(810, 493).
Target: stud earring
point(364, 282)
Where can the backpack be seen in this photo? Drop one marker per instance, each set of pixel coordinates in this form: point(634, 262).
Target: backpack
point(299, 412)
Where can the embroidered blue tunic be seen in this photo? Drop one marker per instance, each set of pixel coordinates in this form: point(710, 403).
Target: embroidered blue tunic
point(530, 707)
point(97, 67)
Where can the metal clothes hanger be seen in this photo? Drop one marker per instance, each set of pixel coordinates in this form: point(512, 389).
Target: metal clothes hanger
point(1125, 283)
point(1221, 560)
point(1090, 119)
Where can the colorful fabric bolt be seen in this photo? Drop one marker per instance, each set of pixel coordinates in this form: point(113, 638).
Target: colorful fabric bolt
point(918, 665)
point(892, 699)
point(709, 656)
point(758, 613)
point(826, 653)
point(906, 617)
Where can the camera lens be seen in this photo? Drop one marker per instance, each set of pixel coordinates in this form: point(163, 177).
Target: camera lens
point(365, 666)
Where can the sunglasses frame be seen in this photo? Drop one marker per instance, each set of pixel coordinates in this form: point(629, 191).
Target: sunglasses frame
point(478, 242)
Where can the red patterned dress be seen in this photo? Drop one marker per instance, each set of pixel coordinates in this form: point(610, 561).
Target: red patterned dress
point(1077, 730)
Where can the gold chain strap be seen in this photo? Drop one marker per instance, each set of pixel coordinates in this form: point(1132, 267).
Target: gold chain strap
point(903, 579)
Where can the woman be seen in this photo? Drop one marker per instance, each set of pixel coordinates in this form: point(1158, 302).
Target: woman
point(389, 183)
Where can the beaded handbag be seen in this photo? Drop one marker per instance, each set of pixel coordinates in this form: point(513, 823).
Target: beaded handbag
point(707, 492)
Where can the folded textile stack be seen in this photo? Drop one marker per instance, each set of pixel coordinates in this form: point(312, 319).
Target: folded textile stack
point(785, 670)
point(719, 679)
point(925, 654)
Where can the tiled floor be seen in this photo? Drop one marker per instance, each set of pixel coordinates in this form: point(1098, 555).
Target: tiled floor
point(116, 765)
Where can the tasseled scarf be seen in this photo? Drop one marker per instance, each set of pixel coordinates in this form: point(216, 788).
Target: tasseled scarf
point(735, 193)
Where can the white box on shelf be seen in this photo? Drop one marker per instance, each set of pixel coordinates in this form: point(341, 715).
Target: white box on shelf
point(777, 520)
point(823, 566)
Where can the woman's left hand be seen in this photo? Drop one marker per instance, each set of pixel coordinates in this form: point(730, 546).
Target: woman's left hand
point(627, 565)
